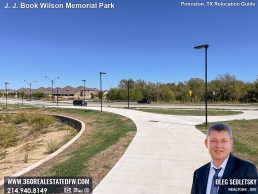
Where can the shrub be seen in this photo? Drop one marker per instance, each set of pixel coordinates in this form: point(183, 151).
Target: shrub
point(19, 118)
point(28, 147)
point(39, 122)
point(51, 146)
point(5, 117)
point(26, 157)
point(3, 153)
point(8, 136)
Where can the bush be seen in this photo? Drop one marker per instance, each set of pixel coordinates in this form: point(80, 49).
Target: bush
point(52, 146)
point(8, 136)
point(39, 122)
point(5, 117)
point(19, 118)
point(3, 153)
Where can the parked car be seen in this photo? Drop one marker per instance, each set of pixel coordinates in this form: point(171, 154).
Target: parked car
point(79, 103)
point(144, 101)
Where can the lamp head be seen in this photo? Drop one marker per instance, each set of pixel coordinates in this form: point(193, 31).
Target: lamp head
point(201, 46)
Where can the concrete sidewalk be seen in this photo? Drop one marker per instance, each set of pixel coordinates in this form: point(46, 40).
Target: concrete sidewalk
point(163, 155)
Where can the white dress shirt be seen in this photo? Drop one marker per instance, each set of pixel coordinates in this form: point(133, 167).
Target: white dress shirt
point(212, 173)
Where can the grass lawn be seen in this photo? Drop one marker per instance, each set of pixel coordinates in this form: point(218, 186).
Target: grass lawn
point(12, 106)
point(245, 137)
point(109, 128)
point(190, 112)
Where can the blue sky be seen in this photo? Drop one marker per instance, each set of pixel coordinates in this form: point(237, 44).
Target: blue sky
point(147, 39)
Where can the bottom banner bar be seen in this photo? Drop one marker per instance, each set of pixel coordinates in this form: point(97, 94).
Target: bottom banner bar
point(48, 185)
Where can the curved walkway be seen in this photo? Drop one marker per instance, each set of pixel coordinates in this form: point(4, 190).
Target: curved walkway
point(163, 155)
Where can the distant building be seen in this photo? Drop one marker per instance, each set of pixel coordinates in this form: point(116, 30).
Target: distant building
point(67, 92)
point(8, 91)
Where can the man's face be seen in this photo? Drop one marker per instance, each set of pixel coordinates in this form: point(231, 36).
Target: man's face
point(219, 145)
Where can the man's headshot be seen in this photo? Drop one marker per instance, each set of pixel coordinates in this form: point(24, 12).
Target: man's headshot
point(219, 142)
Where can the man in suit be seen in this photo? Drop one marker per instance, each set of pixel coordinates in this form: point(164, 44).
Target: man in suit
point(223, 164)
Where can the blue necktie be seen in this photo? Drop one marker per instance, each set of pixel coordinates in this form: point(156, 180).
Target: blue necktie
point(214, 188)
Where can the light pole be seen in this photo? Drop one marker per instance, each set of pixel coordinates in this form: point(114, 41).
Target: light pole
point(57, 96)
point(84, 88)
point(128, 92)
point(30, 86)
point(52, 81)
point(101, 94)
point(6, 94)
point(22, 94)
point(206, 85)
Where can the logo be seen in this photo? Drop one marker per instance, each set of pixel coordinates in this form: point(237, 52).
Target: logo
point(67, 190)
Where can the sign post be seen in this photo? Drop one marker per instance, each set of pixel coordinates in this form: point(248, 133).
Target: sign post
point(190, 93)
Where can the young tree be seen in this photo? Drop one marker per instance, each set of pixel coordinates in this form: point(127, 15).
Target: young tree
point(181, 92)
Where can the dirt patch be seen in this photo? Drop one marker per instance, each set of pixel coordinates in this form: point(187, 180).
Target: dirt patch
point(28, 152)
point(32, 147)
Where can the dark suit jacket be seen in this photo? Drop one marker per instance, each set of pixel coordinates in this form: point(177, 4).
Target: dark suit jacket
point(235, 168)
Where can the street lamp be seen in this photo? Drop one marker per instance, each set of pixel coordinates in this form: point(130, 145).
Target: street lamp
point(84, 88)
point(22, 95)
point(128, 91)
point(52, 81)
point(30, 86)
point(6, 94)
point(206, 85)
point(57, 96)
point(101, 94)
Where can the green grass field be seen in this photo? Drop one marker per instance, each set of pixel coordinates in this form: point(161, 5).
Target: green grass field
point(189, 112)
point(108, 129)
point(15, 106)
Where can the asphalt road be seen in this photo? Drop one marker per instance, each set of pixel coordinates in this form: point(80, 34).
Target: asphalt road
point(134, 105)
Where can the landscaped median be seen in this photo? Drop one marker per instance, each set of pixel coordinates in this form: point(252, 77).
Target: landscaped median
point(105, 139)
point(190, 112)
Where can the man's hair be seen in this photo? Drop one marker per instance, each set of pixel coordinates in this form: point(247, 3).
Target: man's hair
point(219, 127)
